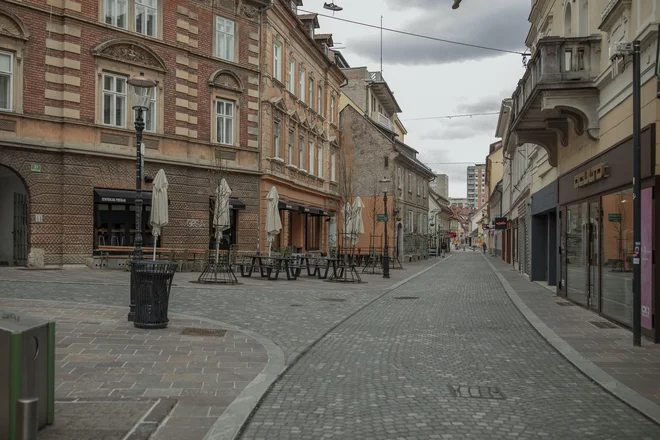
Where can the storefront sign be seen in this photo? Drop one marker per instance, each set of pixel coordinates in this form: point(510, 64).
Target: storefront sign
point(113, 200)
point(35, 167)
point(592, 175)
point(614, 218)
point(500, 223)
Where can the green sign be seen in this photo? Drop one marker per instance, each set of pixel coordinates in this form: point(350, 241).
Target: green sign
point(614, 218)
point(35, 168)
point(381, 218)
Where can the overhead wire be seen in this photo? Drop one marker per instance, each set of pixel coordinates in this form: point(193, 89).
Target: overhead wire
point(413, 34)
point(466, 115)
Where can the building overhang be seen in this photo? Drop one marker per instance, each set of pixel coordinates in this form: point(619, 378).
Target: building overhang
point(557, 92)
point(381, 89)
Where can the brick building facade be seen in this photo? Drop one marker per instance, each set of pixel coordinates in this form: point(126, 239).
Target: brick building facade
point(66, 135)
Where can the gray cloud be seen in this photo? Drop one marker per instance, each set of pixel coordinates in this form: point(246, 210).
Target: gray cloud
point(477, 22)
point(483, 104)
point(461, 128)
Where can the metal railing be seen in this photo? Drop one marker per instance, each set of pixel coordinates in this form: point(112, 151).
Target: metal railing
point(384, 121)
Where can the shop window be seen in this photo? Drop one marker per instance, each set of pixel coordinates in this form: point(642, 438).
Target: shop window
point(313, 242)
point(114, 225)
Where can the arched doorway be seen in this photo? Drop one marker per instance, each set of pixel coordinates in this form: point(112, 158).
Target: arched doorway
point(14, 219)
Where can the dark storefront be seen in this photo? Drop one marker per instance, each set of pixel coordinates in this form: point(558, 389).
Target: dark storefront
point(114, 218)
point(303, 226)
point(596, 230)
point(544, 234)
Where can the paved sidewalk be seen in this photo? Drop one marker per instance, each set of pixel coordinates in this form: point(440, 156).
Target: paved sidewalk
point(609, 349)
point(113, 379)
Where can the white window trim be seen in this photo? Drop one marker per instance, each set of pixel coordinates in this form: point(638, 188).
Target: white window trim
point(292, 69)
point(333, 165)
point(319, 100)
point(107, 4)
point(10, 74)
point(301, 152)
point(312, 150)
point(319, 160)
point(277, 61)
point(291, 146)
point(230, 55)
point(136, 4)
point(410, 183)
point(277, 138)
point(311, 93)
point(332, 109)
point(115, 94)
point(301, 84)
point(224, 117)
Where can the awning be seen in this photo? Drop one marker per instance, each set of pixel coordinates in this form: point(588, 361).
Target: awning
point(120, 197)
point(288, 206)
point(236, 204)
point(313, 211)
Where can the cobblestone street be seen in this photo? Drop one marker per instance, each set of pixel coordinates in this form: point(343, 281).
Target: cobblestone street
point(446, 355)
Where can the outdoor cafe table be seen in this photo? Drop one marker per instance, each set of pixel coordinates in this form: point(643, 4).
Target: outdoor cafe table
point(271, 269)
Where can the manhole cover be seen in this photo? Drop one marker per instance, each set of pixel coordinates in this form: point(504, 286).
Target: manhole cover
point(406, 297)
point(565, 304)
point(603, 324)
point(337, 300)
point(191, 331)
point(476, 392)
point(296, 305)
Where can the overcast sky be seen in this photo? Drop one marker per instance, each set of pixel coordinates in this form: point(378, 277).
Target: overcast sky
point(431, 78)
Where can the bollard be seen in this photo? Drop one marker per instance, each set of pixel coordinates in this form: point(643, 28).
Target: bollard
point(27, 420)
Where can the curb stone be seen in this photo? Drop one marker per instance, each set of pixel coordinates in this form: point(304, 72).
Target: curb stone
point(624, 393)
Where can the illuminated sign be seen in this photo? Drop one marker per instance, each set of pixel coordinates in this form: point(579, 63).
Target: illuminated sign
point(500, 223)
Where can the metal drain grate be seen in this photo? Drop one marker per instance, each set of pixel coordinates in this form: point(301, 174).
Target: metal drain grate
point(603, 324)
point(192, 331)
point(476, 392)
point(406, 297)
point(296, 305)
point(565, 304)
point(337, 300)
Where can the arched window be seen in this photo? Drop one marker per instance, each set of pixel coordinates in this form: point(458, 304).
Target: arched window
point(568, 21)
point(583, 14)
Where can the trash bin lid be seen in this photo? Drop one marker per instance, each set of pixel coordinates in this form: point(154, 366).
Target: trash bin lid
point(15, 322)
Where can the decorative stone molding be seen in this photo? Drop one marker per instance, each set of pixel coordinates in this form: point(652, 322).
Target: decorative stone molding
point(580, 106)
point(546, 139)
point(226, 79)
point(131, 52)
point(12, 26)
point(559, 126)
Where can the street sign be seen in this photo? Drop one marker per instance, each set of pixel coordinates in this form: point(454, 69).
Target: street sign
point(35, 167)
point(381, 218)
point(614, 218)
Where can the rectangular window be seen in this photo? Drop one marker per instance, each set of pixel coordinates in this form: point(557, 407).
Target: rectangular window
point(333, 165)
point(319, 100)
point(277, 61)
point(224, 38)
point(580, 59)
point(387, 161)
point(311, 93)
point(418, 186)
point(6, 77)
point(146, 16)
point(568, 61)
point(311, 157)
point(373, 103)
point(410, 183)
point(114, 100)
point(301, 84)
point(399, 177)
point(150, 115)
point(224, 121)
point(291, 80)
point(301, 152)
point(319, 158)
point(116, 13)
point(290, 147)
point(276, 139)
point(332, 109)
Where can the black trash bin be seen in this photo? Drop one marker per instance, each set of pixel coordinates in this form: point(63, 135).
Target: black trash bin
point(152, 281)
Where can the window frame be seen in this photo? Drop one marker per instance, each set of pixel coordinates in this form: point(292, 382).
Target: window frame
point(217, 33)
point(319, 99)
point(301, 84)
point(301, 151)
point(115, 94)
point(277, 61)
point(311, 93)
point(290, 146)
point(106, 7)
point(137, 3)
point(218, 116)
point(319, 160)
point(410, 183)
point(291, 85)
point(332, 109)
point(11, 75)
point(277, 137)
point(333, 164)
point(312, 151)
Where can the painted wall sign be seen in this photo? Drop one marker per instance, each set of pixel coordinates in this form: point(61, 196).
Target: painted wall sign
point(592, 175)
point(113, 200)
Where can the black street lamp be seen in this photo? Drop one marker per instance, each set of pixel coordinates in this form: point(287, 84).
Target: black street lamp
point(385, 186)
point(142, 89)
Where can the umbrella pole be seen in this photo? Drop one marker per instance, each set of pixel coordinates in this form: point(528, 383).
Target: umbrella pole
point(155, 242)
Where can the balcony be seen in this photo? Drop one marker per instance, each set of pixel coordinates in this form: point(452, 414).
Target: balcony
point(384, 121)
point(556, 92)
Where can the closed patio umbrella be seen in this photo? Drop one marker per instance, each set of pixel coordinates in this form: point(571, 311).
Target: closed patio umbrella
point(221, 218)
point(273, 221)
point(346, 222)
point(357, 227)
point(159, 208)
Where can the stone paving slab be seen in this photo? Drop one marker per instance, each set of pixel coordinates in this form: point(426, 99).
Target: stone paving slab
point(610, 350)
point(292, 314)
point(100, 357)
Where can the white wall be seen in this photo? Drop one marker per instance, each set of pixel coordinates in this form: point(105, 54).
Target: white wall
point(9, 184)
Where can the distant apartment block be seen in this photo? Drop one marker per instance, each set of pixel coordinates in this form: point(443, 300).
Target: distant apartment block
point(440, 185)
point(477, 195)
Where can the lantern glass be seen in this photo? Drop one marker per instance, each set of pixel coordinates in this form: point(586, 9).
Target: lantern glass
point(142, 89)
point(385, 185)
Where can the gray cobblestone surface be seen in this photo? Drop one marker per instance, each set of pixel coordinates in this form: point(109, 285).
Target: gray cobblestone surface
point(388, 371)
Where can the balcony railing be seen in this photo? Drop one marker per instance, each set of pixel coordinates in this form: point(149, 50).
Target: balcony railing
point(562, 63)
point(384, 121)
point(376, 76)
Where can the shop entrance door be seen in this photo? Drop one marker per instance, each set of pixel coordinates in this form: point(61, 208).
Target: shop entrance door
point(593, 260)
